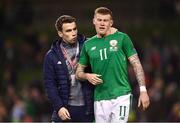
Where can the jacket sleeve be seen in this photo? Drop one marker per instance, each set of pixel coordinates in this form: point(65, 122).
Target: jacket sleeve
point(50, 82)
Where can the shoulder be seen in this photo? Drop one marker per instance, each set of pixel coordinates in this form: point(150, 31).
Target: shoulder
point(90, 40)
point(54, 48)
point(49, 55)
point(122, 34)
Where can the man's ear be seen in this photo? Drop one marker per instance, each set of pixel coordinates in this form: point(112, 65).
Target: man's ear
point(60, 34)
point(111, 22)
point(93, 20)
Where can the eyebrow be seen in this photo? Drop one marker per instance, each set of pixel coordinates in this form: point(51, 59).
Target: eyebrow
point(69, 30)
point(102, 19)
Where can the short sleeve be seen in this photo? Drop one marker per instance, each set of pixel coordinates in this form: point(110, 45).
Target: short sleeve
point(83, 60)
point(128, 46)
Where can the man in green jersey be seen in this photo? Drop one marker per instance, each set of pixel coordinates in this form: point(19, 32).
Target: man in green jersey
point(108, 53)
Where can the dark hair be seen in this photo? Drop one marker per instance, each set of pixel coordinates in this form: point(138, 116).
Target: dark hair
point(63, 19)
point(103, 11)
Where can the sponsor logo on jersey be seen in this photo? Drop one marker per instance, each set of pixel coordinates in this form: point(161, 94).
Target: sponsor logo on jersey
point(93, 48)
point(113, 45)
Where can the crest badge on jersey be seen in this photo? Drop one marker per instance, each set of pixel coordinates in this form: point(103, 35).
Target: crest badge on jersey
point(113, 45)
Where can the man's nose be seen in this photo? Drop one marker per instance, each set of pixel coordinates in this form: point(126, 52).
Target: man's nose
point(74, 32)
point(102, 23)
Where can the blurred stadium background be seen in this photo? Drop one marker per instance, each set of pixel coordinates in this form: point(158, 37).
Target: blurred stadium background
point(27, 31)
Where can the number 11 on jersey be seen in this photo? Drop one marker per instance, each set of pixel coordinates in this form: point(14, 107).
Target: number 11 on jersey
point(103, 54)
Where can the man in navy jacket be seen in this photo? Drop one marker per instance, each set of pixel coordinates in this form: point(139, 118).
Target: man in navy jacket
point(72, 100)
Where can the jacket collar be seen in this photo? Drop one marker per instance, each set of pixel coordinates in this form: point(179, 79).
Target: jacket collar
point(56, 44)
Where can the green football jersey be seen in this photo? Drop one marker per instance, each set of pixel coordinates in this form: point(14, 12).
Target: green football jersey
point(108, 58)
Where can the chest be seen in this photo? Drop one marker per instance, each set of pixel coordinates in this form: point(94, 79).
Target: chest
point(104, 49)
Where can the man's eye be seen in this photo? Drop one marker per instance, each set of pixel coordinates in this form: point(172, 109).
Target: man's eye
point(106, 20)
point(69, 30)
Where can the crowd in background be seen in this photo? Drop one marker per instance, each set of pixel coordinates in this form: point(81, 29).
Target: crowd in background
point(22, 49)
point(161, 63)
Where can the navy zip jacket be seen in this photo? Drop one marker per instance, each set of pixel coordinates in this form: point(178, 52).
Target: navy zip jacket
point(57, 83)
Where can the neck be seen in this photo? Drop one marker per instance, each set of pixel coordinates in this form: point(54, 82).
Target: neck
point(67, 44)
point(112, 30)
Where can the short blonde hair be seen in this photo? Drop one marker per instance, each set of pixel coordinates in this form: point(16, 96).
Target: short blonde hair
point(103, 11)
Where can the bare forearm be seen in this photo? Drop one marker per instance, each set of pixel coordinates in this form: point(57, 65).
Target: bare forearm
point(143, 98)
point(80, 74)
point(135, 62)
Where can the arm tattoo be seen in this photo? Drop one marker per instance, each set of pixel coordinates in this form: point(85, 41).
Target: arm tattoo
point(135, 62)
point(80, 72)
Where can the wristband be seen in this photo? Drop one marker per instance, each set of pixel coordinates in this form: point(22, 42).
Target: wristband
point(143, 89)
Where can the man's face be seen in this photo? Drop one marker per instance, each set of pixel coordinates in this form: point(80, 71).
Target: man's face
point(69, 32)
point(102, 23)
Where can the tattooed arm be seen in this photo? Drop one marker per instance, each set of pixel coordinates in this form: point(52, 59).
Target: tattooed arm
point(135, 62)
point(143, 98)
point(91, 77)
point(80, 74)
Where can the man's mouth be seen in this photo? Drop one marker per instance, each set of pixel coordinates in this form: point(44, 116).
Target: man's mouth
point(74, 39)
point(101, 28)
